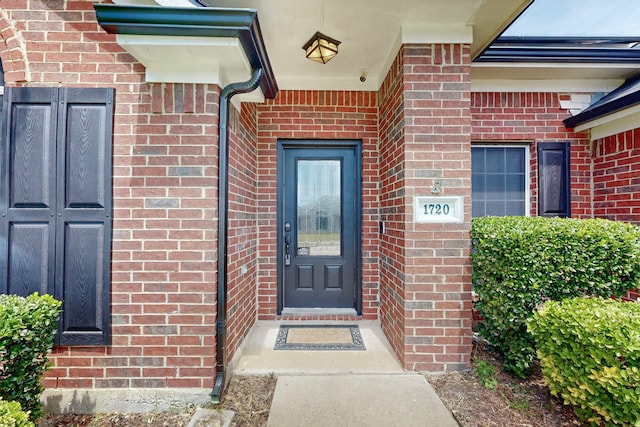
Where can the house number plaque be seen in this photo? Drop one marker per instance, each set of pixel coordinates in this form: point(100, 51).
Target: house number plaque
point(431, 209)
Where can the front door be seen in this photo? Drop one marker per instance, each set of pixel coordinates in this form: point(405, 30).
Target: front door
point(319, 221)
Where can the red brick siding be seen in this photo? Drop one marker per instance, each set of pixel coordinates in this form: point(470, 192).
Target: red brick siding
point(616, 180)
point(616, 177)
point(330, 115)
point(633, 296)
point(392, 209)
point(164, 189)
point(425, 268)
point(533, 118)
point(243, 226)
point(438, 273)
point(14, 62)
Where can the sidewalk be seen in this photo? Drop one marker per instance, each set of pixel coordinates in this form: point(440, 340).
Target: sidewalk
point(405, 400)
point(341, 388)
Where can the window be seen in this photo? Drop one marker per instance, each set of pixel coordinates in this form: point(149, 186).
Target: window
point(499, 180)
point(55, 203)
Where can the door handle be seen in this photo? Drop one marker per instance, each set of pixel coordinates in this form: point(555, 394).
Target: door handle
point(287, 246)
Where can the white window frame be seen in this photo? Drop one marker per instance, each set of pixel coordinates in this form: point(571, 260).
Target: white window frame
point(527, 168)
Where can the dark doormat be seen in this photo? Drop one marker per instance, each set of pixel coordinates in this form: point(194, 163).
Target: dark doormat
point(319, 337)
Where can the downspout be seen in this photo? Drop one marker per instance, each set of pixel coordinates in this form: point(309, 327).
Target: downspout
point(223, 219)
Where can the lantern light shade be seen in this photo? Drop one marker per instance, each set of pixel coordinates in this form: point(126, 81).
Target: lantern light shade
point(321, 48)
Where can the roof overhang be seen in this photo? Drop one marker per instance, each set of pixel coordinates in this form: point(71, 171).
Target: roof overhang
point(371, 32)
point(616, 112)
point(192, 44)
point(559, 64)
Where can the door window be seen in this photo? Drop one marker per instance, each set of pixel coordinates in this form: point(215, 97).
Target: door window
point(319, 214)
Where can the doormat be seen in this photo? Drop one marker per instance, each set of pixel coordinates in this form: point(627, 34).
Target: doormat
point(319, 337)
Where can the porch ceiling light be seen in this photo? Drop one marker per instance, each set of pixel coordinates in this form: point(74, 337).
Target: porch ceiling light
point(321, 48)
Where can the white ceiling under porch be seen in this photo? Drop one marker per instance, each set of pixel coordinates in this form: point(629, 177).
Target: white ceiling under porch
point(370, 31)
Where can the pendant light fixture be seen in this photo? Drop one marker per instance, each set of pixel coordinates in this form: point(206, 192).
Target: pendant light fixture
point(321, 48)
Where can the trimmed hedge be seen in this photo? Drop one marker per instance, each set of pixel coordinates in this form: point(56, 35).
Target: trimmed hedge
point(27, 329)
point(520, 262)
point(12, 415)
point(589, 350)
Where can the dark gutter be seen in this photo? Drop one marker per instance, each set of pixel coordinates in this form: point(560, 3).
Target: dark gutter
point(194, 22)
point(206, 22)
point(565, 49)
point(223, 219)
point(627, 95)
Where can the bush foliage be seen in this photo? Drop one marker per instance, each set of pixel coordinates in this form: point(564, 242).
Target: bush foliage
point(27, 330)
point(589, 350)
point(520, 262)
point(12, 415)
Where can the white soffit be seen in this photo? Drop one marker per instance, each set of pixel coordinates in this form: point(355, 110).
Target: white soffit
point(370, 31)
point(545, 85)
point(612, 124)
point(177, 59)
point(549, 77)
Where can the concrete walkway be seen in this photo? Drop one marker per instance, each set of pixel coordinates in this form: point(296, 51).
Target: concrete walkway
point(357, 400)
point(341, 388)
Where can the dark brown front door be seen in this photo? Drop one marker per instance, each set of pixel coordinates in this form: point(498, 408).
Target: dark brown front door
point(319, 239)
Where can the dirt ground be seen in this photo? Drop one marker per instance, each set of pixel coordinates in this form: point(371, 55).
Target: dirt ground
point(484, 397)
point(249, 397)
point(488, 397)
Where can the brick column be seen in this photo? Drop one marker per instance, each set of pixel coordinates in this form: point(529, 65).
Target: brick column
point(425, 269)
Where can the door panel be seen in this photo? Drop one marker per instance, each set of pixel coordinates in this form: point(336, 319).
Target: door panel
point(319, 195)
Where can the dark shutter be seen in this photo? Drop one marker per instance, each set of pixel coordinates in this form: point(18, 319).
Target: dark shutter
point(83, 228)
point(554, 179)
point(58, 199)
point(27, 191)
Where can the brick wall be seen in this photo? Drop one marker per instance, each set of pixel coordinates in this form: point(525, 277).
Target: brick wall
point(329, 115)
point(243, 226)
point(392, 207)
point(531, 118)
point(616, 181)
point(164, 189)
point(425, 268)
point(616, 176)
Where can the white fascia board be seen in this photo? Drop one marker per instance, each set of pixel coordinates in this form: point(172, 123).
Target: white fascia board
point(544, 85)
point(294, 82)
point(175, 3)
point(437, 34)
point(612, 124)
point(177, 59)
point(135, 2)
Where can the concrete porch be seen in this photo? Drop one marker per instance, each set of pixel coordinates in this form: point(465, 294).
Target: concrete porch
point(327, 388)
point(256, 356)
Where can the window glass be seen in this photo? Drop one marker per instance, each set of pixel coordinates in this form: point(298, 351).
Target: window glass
point(319, 214)
point(499, 180)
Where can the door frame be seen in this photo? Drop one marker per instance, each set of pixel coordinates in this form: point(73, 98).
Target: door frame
point(356, 146)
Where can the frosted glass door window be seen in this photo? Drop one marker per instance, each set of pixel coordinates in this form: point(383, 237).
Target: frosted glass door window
point(319, 215)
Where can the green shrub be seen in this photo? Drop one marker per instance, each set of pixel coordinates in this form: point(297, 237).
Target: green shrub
point(27, 329)
point(12, 415)
point(518, 263)
point(589, 350)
